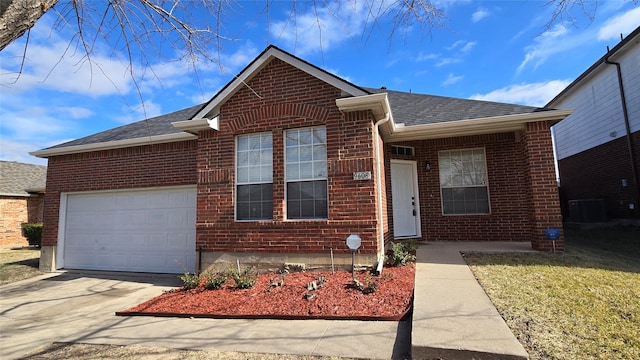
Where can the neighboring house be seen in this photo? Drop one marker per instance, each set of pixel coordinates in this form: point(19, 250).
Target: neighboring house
point(21, 199)
point(285, 162)
point(598, 146)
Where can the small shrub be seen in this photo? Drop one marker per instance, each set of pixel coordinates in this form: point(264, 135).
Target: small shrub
point(213, 281)
point(245, 279)
point(401, 253)
point(369, 287)
point(190, 281)
point(33, 233)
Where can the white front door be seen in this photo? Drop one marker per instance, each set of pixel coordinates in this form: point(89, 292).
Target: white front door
point(406, 206)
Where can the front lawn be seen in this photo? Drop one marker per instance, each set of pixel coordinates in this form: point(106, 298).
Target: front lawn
point(583, 304)
point(18, 264)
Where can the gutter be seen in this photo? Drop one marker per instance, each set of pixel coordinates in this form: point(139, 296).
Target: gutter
point(379, 159)
point(625, 115)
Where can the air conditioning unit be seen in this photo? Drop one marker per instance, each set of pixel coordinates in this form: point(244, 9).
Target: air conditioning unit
point(587, 211)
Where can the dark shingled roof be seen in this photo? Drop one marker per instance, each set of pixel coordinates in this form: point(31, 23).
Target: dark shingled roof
point(418, 109)
point(159, 125)
point(16, 178)
point(407, 108)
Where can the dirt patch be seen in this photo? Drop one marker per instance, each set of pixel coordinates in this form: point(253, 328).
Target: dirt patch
point(71, 351)
point(333, 296)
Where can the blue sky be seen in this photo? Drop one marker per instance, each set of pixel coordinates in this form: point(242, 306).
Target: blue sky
point(490, 50)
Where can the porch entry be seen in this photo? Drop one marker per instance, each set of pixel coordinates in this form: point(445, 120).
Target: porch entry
point(406, 205)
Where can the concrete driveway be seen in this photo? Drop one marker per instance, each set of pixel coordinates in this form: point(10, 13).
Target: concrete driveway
point(79, 306)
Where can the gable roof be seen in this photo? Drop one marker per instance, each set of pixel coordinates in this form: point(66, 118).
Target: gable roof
point(629, 41)
point(206, 116)
point(18, 179)
point(405, 110)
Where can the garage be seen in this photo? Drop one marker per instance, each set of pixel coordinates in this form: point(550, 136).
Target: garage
point(135, 230)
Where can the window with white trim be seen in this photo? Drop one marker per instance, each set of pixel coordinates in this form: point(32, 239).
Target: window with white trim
point(306, 173)
point(463, 182)
point(254, 177)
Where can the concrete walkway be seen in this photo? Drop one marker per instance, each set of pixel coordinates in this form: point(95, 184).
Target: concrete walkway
point(79, 307)
point(453, 318)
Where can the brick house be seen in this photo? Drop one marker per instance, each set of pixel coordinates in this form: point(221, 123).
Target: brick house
point(21, 199)
point(285, 162)
point(598, 146)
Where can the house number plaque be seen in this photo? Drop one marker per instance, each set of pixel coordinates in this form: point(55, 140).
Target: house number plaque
point(362, 175)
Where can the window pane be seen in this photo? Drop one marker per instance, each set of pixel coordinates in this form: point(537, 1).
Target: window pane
point(306, 153)
point(292, 155)
point(304, 137)
point(254, 202)
point(306, 160)
point(463, 182)
point(293, 171)
point(306, 170)
point(254, 197)
point(307, 200)
point(320, 169)
point(243, 143)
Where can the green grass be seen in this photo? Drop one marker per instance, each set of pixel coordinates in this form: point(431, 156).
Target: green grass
point(18, 264)
point(583, 304)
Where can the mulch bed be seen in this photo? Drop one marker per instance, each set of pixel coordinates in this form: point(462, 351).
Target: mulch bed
point(336, 298)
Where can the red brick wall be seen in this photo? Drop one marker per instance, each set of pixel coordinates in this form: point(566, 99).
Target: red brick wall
point(169, 164)
point(14, 211)
point(542, 187)
point(597, 173)
point(288, 98)
point(508, 220)
point(523, 192)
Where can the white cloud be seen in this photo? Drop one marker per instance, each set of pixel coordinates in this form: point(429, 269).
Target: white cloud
point(556, 40)
point(479, 15)
point(19, 151)
point(452, 79)
point(74, 112)
point(533, 94)
point(448, 61)
point(47, 66)
point(146, 110)
point(468, 46)
point(621, 24)
point(423, 57)
point(322, 28)
point(463, 46)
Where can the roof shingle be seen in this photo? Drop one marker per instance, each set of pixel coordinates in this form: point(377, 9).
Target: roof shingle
point(16, 178)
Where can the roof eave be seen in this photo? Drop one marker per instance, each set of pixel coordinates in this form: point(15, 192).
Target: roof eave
point(377, 103)
point(108, 145)
point(489, 125)
point(196, 125)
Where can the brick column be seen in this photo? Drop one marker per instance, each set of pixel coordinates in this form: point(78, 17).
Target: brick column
point(543, 188)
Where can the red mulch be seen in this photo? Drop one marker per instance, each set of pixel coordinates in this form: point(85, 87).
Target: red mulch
point(336, 299)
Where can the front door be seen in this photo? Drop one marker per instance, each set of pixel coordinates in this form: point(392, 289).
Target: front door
point(406, 206)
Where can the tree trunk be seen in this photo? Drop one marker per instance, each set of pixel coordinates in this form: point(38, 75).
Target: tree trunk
point(18, 16)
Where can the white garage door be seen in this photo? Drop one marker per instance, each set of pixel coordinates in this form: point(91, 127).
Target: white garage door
point(141, 231)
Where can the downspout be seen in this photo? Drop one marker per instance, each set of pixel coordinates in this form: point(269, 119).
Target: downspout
point(379, 159)
point(625, 114)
